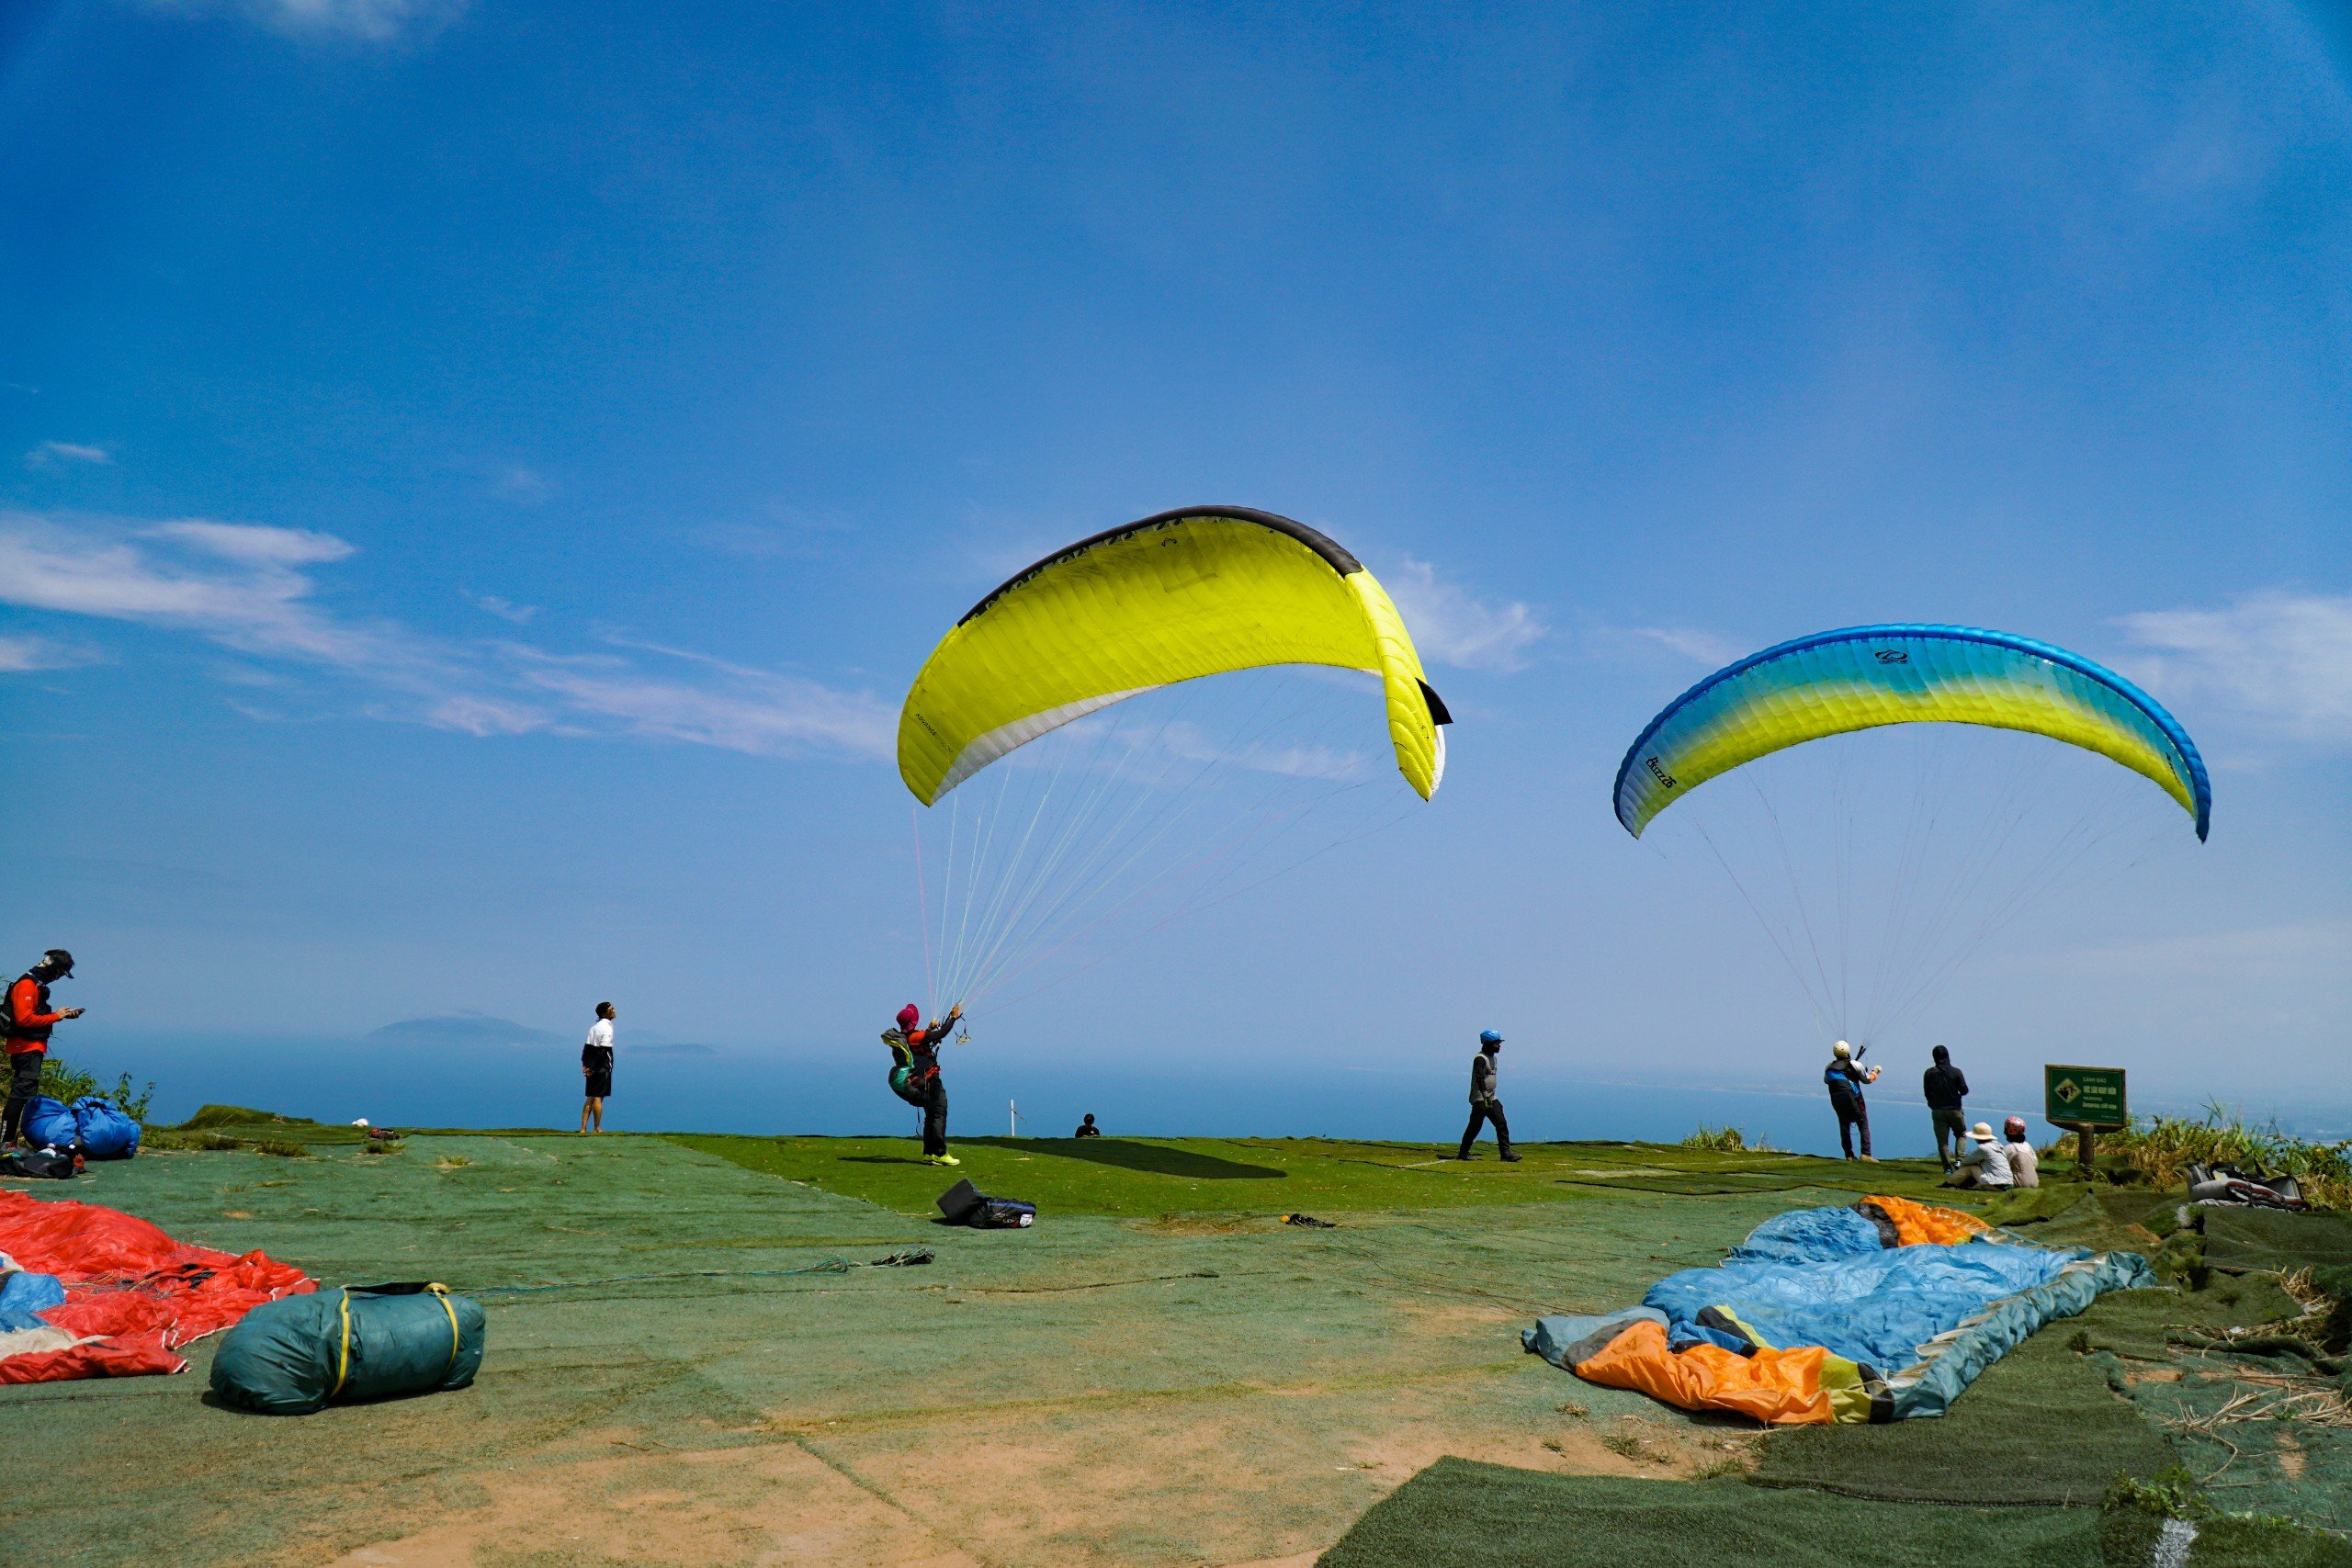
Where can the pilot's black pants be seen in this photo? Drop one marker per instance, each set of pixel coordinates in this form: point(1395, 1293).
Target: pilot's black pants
point(935, 1117)
point(24, 1087)
point(1481, 1112)
point(1852, 1114)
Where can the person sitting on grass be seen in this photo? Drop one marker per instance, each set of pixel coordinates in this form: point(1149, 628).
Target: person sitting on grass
point(929, 1090)
point(1086, 1129)
point(1985, 1165)
point(2025, 1164)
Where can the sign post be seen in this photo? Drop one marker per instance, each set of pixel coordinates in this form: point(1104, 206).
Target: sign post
point(2087, 1100)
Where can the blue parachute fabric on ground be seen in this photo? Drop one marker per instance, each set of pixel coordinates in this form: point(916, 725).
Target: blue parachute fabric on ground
point(50, 1124)
point(1810, 1235)
point(104, 1131)
point(1943, 1370)
point(1922, 1321)
point(1876, 1309)
point(1565, 1340)
point(24, 1297)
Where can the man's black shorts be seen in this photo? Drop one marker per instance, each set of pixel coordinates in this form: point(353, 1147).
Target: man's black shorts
point(599, 1085)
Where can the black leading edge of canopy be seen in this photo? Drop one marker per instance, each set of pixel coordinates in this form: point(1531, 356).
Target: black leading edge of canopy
point(1333, 554)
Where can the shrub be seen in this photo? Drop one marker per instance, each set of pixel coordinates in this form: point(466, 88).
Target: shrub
point(61, 1081)
point(172, 1138)
point(1722, 1140)
point(2161, 1149)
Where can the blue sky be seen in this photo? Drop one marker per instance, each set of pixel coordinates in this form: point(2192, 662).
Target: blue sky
point(476, 478)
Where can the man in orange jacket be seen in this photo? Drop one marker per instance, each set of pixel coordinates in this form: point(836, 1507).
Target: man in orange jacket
point(27, 1024)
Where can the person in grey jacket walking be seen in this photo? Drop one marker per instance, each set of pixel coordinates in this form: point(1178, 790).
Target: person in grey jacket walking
point(1484, 1106)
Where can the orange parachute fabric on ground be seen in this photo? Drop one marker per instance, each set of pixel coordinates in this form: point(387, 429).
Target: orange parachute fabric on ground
point(1915, 1224)
point(133, 1295)
point(1783, 1387)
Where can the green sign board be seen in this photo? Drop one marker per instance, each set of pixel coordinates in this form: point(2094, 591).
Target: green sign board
point(2085, 1099)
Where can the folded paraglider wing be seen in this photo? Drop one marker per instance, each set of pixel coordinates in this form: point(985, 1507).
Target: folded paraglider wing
point(1200, 591)
point(103, 1293)
point(1880, 1312)
point(1862, 677)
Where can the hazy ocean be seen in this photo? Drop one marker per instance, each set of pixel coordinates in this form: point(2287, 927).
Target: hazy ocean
point(700, 1089)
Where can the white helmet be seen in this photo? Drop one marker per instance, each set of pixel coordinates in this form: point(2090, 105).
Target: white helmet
point(1841, 1049)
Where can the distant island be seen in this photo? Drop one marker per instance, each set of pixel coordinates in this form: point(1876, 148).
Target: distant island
point(463, 1029)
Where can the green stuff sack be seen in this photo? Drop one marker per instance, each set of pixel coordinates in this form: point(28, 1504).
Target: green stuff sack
point(297, 1355)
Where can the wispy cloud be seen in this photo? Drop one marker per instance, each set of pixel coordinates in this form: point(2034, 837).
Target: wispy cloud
point(1452, 627)
point(21, 654)
point(255, 589)
point(365, 21)
point(504, 609)
point(1305, 759)
point(1699, 647)
point(789, 534)
point(740, 709)
point(2281, 660)
point(524, 486)
point(49, 454)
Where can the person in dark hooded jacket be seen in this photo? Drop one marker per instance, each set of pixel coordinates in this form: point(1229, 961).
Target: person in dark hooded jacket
point(1944, 1086)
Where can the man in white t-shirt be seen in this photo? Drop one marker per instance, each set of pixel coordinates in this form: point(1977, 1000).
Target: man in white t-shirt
point(1985, 1164)
point(596, 1067)
point(2024, 1163)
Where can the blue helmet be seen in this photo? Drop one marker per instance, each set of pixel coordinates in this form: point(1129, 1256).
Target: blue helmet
point(1488, 1037)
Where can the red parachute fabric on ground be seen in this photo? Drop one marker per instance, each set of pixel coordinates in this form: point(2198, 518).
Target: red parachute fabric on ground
point(135, 1293)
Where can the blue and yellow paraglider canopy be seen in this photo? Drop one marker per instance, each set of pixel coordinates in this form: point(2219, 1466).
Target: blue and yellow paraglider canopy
point(1862, 677)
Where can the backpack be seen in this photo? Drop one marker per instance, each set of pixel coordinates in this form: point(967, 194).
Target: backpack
point(57, 1164)
point(50, 1122)
point(964, 1204)
point(103, 1130)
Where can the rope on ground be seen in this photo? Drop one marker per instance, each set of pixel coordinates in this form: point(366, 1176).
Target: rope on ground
point(829, 1265)
point(1089, 1285)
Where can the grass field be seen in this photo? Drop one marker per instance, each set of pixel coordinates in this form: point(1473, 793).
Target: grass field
point(692, 1360)
point(1152, 1176)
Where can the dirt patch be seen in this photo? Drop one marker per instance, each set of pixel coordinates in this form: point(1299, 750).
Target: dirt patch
point(772, 1504)
point(1204, 1224)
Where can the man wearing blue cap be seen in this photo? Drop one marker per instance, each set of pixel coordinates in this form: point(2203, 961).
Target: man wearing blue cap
point(1484, 1106)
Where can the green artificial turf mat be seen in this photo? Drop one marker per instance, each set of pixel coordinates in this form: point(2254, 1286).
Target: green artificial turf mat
point(2240, 1239)
point(1161, 1391)
point(2128, 1539)
point(2040, 1426)
point(2163, 1351)
point(2032, 1205)
point(1458, 1514)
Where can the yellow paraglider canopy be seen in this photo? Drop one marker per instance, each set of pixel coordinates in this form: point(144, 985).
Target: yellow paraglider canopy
point(1204, 591)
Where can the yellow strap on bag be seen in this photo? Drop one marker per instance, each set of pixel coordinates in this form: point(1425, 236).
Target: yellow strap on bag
point(342, 1360)
point(343, 1363)
point(441, 1294)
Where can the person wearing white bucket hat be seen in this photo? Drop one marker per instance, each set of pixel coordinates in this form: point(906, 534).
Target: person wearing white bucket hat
point(1985, 1164)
